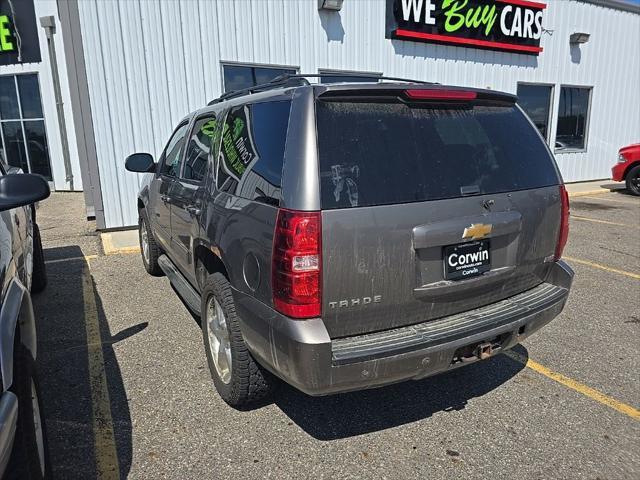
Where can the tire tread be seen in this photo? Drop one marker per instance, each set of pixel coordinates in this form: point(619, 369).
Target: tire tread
point(249, 381)
point(39, 273)
point(153, 267)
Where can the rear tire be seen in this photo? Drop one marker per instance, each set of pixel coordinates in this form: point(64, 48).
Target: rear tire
point(238, 378)
point(149, 249)
point(30, 456)
point(632, 180)
point(39, 274)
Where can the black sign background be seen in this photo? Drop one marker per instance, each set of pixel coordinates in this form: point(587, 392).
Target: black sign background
point(24, 21)
point(398, 28)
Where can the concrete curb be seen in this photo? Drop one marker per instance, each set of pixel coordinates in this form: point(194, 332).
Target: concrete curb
point(590, 192)
point(120, 242)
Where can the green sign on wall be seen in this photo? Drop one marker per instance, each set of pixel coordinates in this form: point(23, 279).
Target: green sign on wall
point(18, 33)
point(7, 43)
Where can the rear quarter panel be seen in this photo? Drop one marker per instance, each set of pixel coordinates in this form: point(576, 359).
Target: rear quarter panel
point(240, 232)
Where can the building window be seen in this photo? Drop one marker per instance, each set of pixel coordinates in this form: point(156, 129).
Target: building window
point(337, 76)
point(237, 77)
point(535, 100)
point(23, 139)
point(573, 118)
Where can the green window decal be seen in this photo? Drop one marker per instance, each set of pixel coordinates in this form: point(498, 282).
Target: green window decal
point(238, 149)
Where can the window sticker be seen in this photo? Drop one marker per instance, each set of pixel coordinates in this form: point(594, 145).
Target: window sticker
point(238, 148)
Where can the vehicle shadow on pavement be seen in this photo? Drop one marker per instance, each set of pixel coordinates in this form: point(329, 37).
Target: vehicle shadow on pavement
point(84, 399)
point(351, 414)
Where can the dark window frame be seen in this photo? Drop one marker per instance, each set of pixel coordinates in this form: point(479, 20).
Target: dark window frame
point(224, 63)
point(550, 117)
point(331, 71)
point(587, 122)
point(22, 120)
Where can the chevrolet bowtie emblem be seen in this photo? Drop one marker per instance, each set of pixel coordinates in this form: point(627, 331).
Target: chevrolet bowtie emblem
point(477, 231)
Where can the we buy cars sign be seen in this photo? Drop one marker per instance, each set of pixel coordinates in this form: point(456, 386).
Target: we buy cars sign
point(506, 25)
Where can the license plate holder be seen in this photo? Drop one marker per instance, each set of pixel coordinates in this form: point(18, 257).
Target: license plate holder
point(466, 260)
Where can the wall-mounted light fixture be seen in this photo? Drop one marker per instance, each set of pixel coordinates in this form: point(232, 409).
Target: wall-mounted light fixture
point(330, 4)
point(578, 38)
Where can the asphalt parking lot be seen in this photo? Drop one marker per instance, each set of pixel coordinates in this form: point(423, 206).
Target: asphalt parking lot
point(127, 393)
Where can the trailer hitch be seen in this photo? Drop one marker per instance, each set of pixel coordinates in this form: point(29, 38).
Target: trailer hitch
point(483, 351)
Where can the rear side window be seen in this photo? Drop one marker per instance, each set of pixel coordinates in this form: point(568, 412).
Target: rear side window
point(252, 151)
point(386, 153)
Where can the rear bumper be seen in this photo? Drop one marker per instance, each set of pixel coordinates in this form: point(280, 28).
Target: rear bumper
point(301, 352)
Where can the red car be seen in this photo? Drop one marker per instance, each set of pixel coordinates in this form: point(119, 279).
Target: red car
point(628, 168)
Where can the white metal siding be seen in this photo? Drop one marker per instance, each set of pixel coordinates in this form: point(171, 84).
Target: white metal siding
point(149, 62)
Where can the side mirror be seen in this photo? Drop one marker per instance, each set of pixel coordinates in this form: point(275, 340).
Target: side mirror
point(140, 162)
point(22, 189)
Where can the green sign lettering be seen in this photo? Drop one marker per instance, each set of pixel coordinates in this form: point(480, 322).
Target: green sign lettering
point(6, 45)
point(456, 18)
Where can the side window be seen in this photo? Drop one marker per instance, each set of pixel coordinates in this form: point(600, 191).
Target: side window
point(252, 151)
point(200, 146)
point(170, 161)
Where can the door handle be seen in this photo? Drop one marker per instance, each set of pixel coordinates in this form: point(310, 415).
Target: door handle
point(193, 210)
point(165, 198)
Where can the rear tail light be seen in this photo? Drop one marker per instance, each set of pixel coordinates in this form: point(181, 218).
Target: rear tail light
point(422, 94)
point(297, 264)
point(564, 222)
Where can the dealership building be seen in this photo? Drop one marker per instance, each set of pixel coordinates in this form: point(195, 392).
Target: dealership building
point(84, 83)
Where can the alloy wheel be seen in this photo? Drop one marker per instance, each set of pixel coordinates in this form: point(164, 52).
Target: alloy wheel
point(144, 242)
point(219, 344)
point(635, 184)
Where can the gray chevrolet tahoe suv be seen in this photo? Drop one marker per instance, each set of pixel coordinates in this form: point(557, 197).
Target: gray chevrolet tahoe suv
point(348, 236)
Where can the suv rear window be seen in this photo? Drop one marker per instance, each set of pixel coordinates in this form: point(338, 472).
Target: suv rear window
point(386, 153)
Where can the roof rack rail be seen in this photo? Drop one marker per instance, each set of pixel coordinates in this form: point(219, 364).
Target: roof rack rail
point(278, 82)
point(300, 79)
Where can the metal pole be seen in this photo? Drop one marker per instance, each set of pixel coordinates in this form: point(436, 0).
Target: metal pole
point(49, 25)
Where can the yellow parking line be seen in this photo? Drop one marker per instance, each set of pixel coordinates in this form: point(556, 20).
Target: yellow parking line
point(123, 251)
point(577, 386)
point(602, 267)
point(594, 220)
point(71, 259)
point(104, 440)
point(589, 193)
point(607, 199)
point(91, 257)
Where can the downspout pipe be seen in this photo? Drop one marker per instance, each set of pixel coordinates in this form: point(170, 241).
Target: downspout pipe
point(49, 25)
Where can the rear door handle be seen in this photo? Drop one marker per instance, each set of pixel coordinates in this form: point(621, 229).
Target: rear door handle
point(193, 210)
